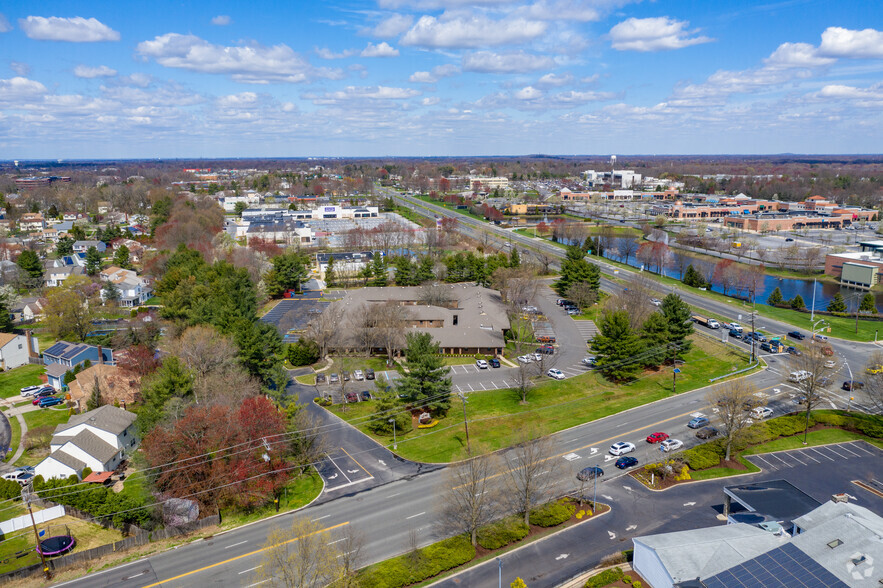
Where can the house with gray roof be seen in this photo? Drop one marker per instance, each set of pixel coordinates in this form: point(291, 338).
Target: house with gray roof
point(99, 439)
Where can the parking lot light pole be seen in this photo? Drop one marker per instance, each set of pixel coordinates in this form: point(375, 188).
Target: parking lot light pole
point(465, 422)
point(500, 576)
point(395, 445)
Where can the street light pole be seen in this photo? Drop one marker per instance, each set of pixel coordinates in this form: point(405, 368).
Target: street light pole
point(395, 445)
point(500, 577)
point(465, 422)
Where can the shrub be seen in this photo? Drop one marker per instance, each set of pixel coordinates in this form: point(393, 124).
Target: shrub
point(787, 425)
point(704, 456)
point(502, 533)
point(627, 580)
point(832, 418)
point(636, 584)
point(9, 489)
point(38, 437)
point(604, 578)
point(551, 514)
point(434, 559)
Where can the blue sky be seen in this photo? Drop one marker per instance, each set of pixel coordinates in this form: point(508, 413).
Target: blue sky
point(438, 77)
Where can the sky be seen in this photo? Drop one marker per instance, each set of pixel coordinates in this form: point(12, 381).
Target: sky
point(302, 78)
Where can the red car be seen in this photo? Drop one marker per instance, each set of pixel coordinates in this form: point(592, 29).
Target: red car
point(657, 437)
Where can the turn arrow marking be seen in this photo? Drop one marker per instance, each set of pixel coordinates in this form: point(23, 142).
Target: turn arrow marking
point(631, 527)
point(689, 504)
point(562, 556)
point(612, 534)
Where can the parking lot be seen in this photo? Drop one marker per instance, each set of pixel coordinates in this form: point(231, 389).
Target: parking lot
point(824, 454)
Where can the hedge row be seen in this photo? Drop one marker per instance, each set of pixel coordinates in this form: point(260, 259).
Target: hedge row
point(605, 578)
point(9, 489)
point(416, 567)
point(552, 514)
point(867, 424)
point(502, 533)
point(98, 501)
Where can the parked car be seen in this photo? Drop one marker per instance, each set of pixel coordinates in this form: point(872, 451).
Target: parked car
point(28, 390)
point(789, 240)
point(369, 374)
point(626, 462)
point(345, 375)
point(557, 374)
point(830, 363)
point(621, 448)
point(797, 335)
point(320, 379)
point(366, 395)
point(545, 339)
point(657, 437)
point(481, 364)
point(827, 350)
point(850, 385)
point(588, 361)
point(495, 363)
point(546, 350)
point(765, 347)
point(525, 358)
point(589, 473)
point(698, 422)
point(358, 375)
point(761, 412)
point(19, 476)
point(671, 445)
point(333, 379)
point(573, 311)
point(706, 433)
point(50, 401)
point(656, 302)
point(45, 393)
point(351, 397)
point(529, 309)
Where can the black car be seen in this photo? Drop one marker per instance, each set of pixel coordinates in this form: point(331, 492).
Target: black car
point(495, 363)
point(320, 379)
point(366, 395)
point(706, 433)
point(765, 347)
point(589, 473)
point(546, 350)
point(793, 350)
point(345, 375)
point(850, 385)
point(735, 334)
point(369, 374)
point(626, 462)
point(797, 335)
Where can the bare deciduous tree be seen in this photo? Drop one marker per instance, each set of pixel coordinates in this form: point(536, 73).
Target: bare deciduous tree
point(470, 496)
point(582, 294)
point(819, 370)
point(323, 329)
point(389, 321)
point(634, 300)
point(529, 477)
point(299, 556)
point(874, 380)
point(437, 295)
point(204, 351)
point(734, 401)
point(517, 285)
point(544, 259)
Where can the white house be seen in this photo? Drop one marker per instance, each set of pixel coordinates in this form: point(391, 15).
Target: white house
point(14, 350)
point(83, 246)
point(134, 290)
point(99, 440)
point(31, 221)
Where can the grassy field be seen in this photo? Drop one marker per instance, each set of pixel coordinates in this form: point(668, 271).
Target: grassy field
point(15, 438)
point(496, 417)
point(46, 416)
point(296, 494)
point(721, 472)
point(378, 364)
point(13, 381)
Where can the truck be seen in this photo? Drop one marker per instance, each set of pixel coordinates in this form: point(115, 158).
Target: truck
point(706, 322)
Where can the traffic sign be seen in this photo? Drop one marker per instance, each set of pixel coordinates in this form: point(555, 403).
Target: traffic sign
point(677, 370)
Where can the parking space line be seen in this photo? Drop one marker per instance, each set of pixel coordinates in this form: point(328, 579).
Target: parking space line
point(793, 455)
point(858, 446)
point(808, 456)
point(769, 465)
point(835, 452)
point(822, 454)
point(844, 448)
point(780, 459)
point(482, 386)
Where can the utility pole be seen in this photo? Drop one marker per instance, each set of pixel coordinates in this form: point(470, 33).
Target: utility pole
point(26, 495)
point(812, 309)
point(753, 337)
point(465, 422)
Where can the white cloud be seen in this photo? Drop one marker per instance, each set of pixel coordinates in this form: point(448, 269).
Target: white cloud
point(518, 62)
point(653, 34)
point(221, 20)
point(21, 68)
point(363, 93)
point(438, 72)
point(571, 97)
point(243, 99)
point(254, 63)
point(529, 93)
point(141, 80)
point(19, 88)
point(796, 55)
point(551, 79)
point(74, 30)
point(325, 53)
point(570, 10)
point(471, 32)
point(866, 97)
point(430, 101)
point(5, 27)
point(393, 26)
point(840, 42)
point(102, 71)
point(383, 49)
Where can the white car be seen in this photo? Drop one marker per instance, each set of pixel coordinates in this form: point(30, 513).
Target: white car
point(20, 476)
point(655, 301)
point(536, 356)
point(830, 363)
point(735, 327)
point(525, 358)
point(621, 448)
point(761, 412)
point(482, 364)
point(588, 361)
point(671, 445)
point(28, 390)
point(359, 375)
point(529, 309)
point(557, 374)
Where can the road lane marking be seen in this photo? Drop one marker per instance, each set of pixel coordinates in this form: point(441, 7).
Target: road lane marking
point(416, 515)
point(356, 462)
point(331, 459)
point(135, 576)
point(320, 518)
point(249, 570)
point(238, 557)
point(257, 583)
point(337, 541)
point(235, 544)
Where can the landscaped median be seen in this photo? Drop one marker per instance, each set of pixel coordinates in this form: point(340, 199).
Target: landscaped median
point(706, 461)
point(449, 556)
point(496, 417)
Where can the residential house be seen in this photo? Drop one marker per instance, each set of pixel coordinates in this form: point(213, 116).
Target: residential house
point(55, 276)
point(114, 384)
point(7, 225)
point(136, 249)
point(32, 310)
point(134, 290)
point(15, 351)
point(103, 207)
point(83, 246)
point(62, 357)
point(99, 439)
point(31, 221)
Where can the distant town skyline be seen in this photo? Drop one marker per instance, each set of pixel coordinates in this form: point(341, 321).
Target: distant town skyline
point(438, 78)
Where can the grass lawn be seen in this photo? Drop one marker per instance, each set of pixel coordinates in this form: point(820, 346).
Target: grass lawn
point(15, 438)
point(820, 437)
point(299, 492)
point(46, 416)
point(378, 364)
point(13, 381)
point(449, 206)
point(307, 380)
point(722, 472)
point(496, 417)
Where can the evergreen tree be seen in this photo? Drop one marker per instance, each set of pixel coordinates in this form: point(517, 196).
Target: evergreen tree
point(406, 272)
point(330, 276)
point(425, 384)
point(797, 302)
point(121, 257)
point(289, 273)
point(52, 212)
point(378, 269)
point(64, 246)
point(259, 348)
point(868, 304)
point(677, 314)
point(110, 291)
point(387, 406)
point(5, 317)
point(514, 258)
point(93, 261)
point(693, 278)
point(616, 346)
point(654, 335)
point(837, 303)
point(425, 271)
point(29, 261)
point(574, 269)
point(94, 400)
point(303, 352)
point(775, 298)
point(78, 233)
point(171, 380)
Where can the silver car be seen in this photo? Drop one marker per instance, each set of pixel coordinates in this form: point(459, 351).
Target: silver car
point(359, 375)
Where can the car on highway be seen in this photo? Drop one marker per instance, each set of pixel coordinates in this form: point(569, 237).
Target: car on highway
point(588, 361)
point(789, 240)
point(626, 462)
point(49, 401)
point(366, 395)
point(850, 385)
point(698, 422)
point(735, 327)
point(481, 364)
point(589, 473)
point(525, 358)
point(351, 397)
point(359, 375)
point(621, 448)
point(761, 412)
point(369, 374)
point(671, 445)
point(706, 433)
point(333, 379)
point(735, 334)
point(557, 374)
point(656, 302)
point(495, 363)
point(797, 335)
point(320, 379)
point(765, 347)
point(657, 437)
